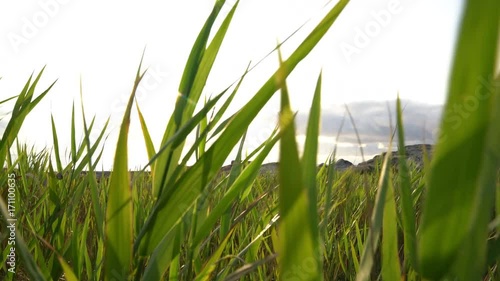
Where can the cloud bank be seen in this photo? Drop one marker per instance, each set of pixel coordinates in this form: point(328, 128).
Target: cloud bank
point(372, 120)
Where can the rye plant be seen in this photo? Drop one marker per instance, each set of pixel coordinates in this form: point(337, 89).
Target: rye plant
point(174, 222)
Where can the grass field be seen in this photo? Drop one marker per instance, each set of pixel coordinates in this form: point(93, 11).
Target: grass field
point(174, 223)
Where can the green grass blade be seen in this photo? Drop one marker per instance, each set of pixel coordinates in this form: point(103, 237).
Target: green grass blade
point(408, 211)
point(240, 273)
point(245, 179)
point(298, 237)
point(147, 137)
point(459, 154)
point(69, 275)
point(119, 224)
point(21, 109)
point(478, 236)
point(216, 118)
point(39, 98)
point(390, 259)
point(172, 206)
point(8, 99)
point(236, 168)
point(163, 255)
point(309, 165)
point(91, 149)
point(198, 50)
point(224, 107)
point(371, 244)
point(354, 255)
point(175, 264)
point(184, 131)
point(56, 145)
point(150, 148)
point(96, 203)
point(194, 79)
point(73, 136)
point(22, 249)
point(210, 265)
point(203, 139)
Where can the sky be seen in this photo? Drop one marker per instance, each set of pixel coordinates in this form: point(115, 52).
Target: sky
point(375, 50)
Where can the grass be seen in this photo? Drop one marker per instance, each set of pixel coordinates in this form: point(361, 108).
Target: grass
point(180, 223)
point(251, 214)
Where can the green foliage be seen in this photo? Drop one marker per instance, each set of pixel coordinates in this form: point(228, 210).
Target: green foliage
point(298, 247)
point(461, 180)
point(299, 222)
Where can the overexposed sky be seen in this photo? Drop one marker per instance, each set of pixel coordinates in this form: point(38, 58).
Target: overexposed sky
point(376, 49)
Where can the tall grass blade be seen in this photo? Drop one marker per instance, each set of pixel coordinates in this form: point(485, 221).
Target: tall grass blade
point(203, 139)
point(298, 256)
point(56, 145)
point(172, 205)
point(179, 137)
point(310, 168)
point(244, 179)
point(371, 244)
point(196, 73)
point(150, 148)
point(224, 107)
point(164, 255)
point(247, 268)
point(478, 236)
point(119, 232)
point(390, 259)
point(22, 107)
point(212, 261)
point(74, 157)
point(197, 51)
point(236, 168)
point(91, 149)
point(98, 209)
point(147, 137)
point(454, 179)
point(407, 209)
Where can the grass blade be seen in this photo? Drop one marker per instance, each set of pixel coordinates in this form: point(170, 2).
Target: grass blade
point(119, 232)
point(196, 73)
point(371, 245)
point(8, 99)
point(458, 156)
point(298, 251)
point(74, 156)
point(173, 205)
point(150, 148)
point(183, 132)
point(56, 144)
point(68, 272)
point(98, 210)
point(408, 211)
point(478, 236)
point(245, 178)
point(21, 109)
point(164, 255)
point(211, 263)
point(390, 259)
point(203, 139)
point(309, 165)
point(147, 137)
